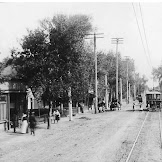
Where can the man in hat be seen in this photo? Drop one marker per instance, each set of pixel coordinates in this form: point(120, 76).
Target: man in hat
point(14, 120)
point(32, 123)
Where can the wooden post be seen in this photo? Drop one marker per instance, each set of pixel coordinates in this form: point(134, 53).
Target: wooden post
point(8, 107)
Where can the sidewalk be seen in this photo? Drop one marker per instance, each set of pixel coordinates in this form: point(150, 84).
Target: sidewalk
point(9, 134)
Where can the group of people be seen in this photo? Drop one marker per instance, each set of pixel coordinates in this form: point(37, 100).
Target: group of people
point(55, 116)
point(30, 122)
point(115, 104)
point(26, 122)
point(139, 103)
point(101, 106)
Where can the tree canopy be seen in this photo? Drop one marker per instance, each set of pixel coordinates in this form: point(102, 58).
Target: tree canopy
point(55, 57)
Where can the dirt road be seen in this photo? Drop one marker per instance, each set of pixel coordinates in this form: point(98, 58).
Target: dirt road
point(103, 137)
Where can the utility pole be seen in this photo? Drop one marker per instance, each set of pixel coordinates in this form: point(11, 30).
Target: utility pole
point(153, 82)
point(106, 92)
point(121, 92)
point(134, 85)
point(117, 41)
point(129, 94)
point(127, 58)
point(95, 54)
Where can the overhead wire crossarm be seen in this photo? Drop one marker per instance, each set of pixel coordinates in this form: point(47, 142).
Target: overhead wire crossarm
point(117, 40)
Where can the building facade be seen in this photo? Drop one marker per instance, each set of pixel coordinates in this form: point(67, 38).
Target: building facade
point(13, 100)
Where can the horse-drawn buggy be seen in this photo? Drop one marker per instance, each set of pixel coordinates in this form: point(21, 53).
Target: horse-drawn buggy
point(153, 100)
point(115, 105)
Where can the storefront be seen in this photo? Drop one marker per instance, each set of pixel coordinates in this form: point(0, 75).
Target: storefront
point(13, 100)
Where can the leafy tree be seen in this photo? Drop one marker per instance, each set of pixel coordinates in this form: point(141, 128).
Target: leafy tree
point(52, 57)
point(7, 71)
point(157, 75)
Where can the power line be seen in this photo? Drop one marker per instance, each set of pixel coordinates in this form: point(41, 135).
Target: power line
point(141, 35)
point(145, 34)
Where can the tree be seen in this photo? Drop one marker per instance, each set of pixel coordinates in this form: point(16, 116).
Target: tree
point(157, 74)
point(52, 55)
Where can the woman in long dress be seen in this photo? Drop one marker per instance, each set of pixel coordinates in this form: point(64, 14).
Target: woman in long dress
point(24, 124)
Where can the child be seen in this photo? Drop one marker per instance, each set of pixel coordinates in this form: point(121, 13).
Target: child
point(54, 116)
point(57, 115)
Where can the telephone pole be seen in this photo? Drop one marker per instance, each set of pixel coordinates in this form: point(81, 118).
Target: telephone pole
point(121, 92)
point(95, 54)
point(134, 85)
point(106, 92)
point(127, 58)
point(117, 41)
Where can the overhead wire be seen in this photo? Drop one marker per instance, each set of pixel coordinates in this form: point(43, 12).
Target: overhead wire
point(145, 35)
point(141, 36)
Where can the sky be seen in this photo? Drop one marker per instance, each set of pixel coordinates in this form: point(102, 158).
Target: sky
point(114, 19)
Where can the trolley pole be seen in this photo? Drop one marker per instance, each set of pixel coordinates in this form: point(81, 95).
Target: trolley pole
point(95, 55)
point(117, 41)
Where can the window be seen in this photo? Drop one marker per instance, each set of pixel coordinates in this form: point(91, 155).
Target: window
point(3, 111)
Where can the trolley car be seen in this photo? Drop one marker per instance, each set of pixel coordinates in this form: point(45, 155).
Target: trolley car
point(153, 100)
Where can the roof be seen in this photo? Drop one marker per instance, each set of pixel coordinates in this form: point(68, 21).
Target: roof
point(153, 92)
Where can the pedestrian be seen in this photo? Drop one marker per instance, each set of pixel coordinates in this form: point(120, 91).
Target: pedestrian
point(14, 121)
point(141, 106)
point(54, 116)
point(24, 124)
point(81, 105)
point(133, 105)
point(57, 115)
point(119, 105)
point(32, 123)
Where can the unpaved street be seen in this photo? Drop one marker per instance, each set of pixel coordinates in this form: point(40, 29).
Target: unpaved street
point(103, 137)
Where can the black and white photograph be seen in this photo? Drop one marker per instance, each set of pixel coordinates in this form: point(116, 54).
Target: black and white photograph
point(81, 81)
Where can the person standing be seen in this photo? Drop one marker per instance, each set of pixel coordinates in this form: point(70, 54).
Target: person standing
point(24, 124)
point(14, 120)
point(32, 123)
point(54, 116)
point(133, 105)
point(57, 114)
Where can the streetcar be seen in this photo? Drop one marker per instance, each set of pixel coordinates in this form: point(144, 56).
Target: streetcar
point(153, 100)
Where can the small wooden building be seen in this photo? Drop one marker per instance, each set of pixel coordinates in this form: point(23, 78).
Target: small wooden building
point(13, 99)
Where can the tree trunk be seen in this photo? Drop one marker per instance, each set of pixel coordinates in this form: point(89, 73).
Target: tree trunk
point(62, 107)
point(70, 104)
point(49, 117)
